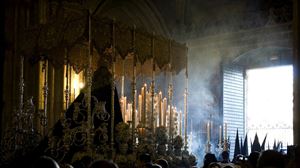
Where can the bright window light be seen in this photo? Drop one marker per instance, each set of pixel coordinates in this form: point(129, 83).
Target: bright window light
point(269, 105)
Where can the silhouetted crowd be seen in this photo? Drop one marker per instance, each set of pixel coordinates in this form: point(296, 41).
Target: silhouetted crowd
point(264, 159)
point(144, 161)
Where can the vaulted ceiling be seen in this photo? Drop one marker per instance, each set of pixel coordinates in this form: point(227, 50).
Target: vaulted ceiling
point(190, 19)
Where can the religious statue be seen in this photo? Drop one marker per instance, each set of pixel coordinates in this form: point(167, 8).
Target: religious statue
point(75, 131)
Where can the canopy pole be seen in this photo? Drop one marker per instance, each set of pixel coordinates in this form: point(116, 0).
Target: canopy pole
point(113, 90)
point(133, 89)
point(152, 85)
point(45, 95)
point(170, 94)
point(89, 86)
point(186, 105)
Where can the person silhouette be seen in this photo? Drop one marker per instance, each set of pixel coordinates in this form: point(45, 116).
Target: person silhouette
point(45, 162)
point(103, 164)
point(208, 159)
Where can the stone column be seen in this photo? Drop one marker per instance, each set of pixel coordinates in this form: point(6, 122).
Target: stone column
point(296, 27)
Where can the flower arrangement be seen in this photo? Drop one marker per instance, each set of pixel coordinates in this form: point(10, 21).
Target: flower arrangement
point(122, 133)
point(161, 136)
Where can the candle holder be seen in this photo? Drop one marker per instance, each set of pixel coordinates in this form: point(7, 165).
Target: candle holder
point(219, 150)
point(170, 147)
point(225, 145)
point(161, 139)
point(178, 144)
point(208, 147)
point(122, 138)
point(23, 135)
point(141, 133)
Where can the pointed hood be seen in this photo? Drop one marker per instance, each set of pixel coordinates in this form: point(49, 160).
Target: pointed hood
point(251, 145)
point(237, 149)
point(279, 146)
point(274, 145)
point(263, 143)
point(241, 142)
point(256, 144)
point(245, 146)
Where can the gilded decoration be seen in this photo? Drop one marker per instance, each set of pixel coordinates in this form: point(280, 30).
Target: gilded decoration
point(67, 29)
point(124, 40)
point(162, 52)
point(73, 37)
point(143, 46)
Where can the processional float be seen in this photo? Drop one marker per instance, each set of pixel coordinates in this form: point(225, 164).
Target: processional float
point(56, 43)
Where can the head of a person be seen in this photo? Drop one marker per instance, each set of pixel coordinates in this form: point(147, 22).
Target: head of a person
point(271, 159)
point(162, 162)
point(156, 166)
point(103, 164)
point(101, 77)
point(66, 166)
point(253, 157)
point(145, 157)
point(144, 160)
point(208, 159)
point(227, 166)
point(45, 162)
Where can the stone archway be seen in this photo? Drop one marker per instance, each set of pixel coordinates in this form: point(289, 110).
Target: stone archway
point(142, 14)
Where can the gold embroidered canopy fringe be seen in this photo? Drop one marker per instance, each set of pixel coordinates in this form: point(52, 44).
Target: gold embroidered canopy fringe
point(66, 33)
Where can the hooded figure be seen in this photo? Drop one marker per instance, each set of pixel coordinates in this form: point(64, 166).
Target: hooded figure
point(100, 102)
point(76, 114)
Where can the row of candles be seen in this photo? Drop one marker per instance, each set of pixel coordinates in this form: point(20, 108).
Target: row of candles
point(209, 126)
point(162, 112)
point(222, 146)
point(142, 114)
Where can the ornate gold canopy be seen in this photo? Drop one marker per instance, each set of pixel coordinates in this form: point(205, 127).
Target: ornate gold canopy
point(65, 38)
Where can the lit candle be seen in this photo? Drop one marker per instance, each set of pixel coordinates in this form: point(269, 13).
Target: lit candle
point(140, 108)
point(208, 132)
point(122, 87)
point(142, 91)
point(144, 105)
point(123, 78)
point(148, 108)
point(162, 112)
point(159, 108)
point(165, 112)
point(129, 111)
point(180, 122)
point(175, 118)
point(168, 114)
point(220, 134)
point(225, 131)
point(124, 104)
point(125, 118)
